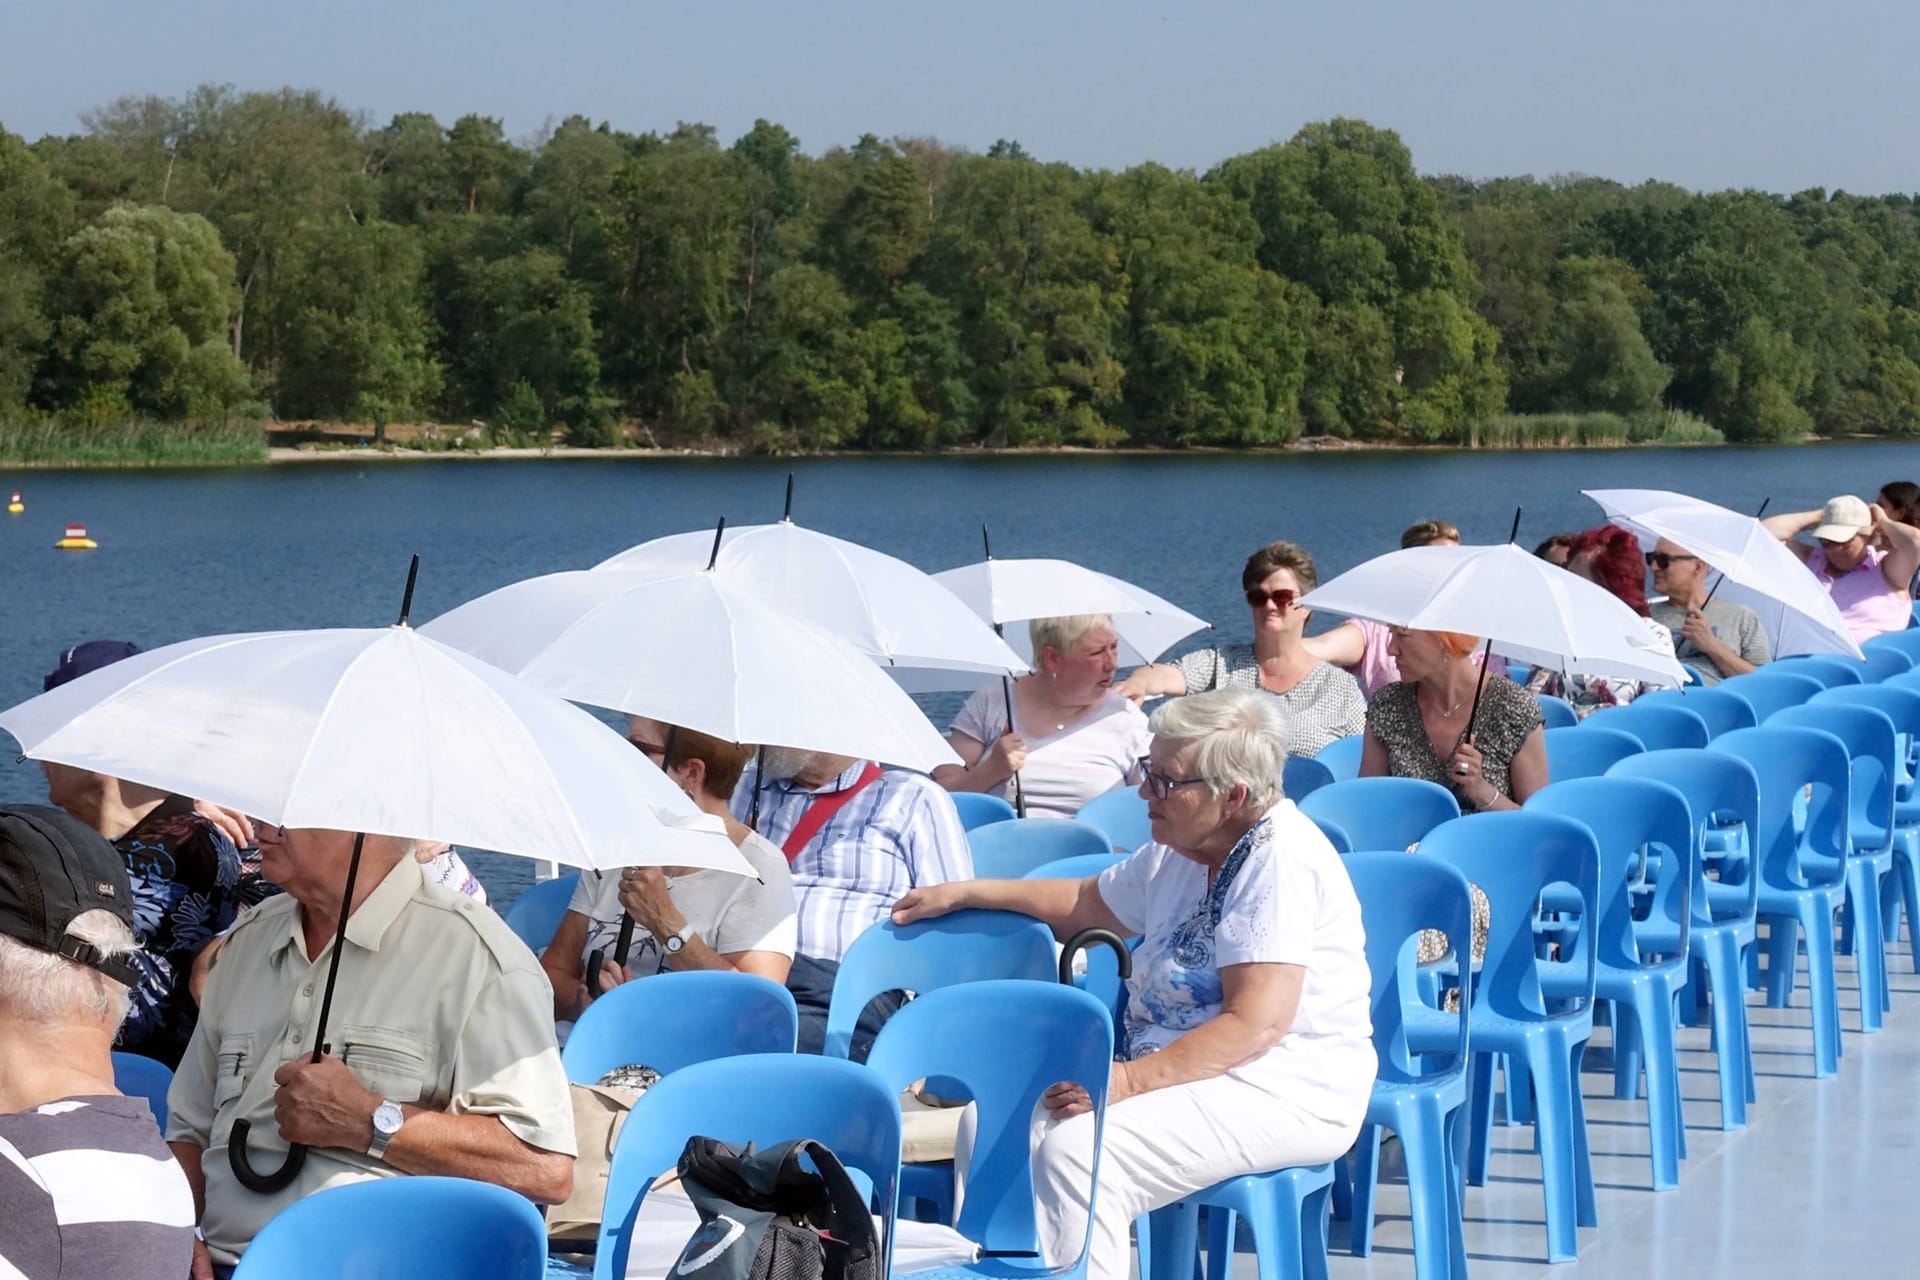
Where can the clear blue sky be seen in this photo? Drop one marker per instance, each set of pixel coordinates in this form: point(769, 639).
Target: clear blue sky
point(1706, 93)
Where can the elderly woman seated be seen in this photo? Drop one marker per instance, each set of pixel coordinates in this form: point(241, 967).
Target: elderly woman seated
point(685, 919)
point(1069, 736)
point(1246, 1045)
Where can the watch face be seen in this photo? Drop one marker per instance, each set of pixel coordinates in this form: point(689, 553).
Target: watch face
point(674, 944)
point(387, 1118)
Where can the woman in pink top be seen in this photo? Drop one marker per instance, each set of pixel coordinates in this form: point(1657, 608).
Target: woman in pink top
point(1361, 647)
point(1864, 559)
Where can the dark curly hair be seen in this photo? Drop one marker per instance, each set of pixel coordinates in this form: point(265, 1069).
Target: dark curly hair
point(1611, 557)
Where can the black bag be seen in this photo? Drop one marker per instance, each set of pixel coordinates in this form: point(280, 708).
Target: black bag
point(767, 1215)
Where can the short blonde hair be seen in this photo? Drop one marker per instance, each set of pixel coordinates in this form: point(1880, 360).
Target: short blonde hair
point(1242, 739)
point(1062, 633)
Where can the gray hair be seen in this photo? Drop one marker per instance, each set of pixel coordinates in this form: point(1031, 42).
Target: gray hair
point(1064, 632)
point(1242, 739)
point(39, 986)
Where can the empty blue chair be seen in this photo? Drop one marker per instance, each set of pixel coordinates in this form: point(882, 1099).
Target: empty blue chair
point(1902, 705)
point(418, 1228)
point(1121, 816)
point(1881, 663)
point(1382, 813)
point(1718, 789)
point(764, 1099)
point(1586, 751)
point(141, 1077)
point(1342, 756)
point(980, 808)
point(1304, 775)
point(1557, 712)
point(1767, 691)
point(1008, 850)
point(1831, 670)
point(1660, 726)
point(1423, 1100)
point(1898, 641)
point(1078, 867)
point(1800, 901)
point(1515, 857)
point(1627, 817)
point(1722, 712)
point(672, 1020)
point(536, 913)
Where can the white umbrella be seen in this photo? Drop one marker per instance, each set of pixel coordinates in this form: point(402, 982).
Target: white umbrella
point(884, 607)
point(1755, 568)
point(1531, 610)
point(1003, 591)
point(694, 649)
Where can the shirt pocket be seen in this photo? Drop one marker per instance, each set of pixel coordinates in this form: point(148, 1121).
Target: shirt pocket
point(233, 1063)
point(394, 1064)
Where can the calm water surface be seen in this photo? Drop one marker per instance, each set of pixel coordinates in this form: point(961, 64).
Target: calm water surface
point(191, 553)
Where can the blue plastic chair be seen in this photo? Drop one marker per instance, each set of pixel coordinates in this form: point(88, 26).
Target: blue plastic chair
point(672, 1020)
point(764, 1099)
point(1800, 900)
point(1881, 663)
point(1342, 756)
point(1383, 813)
point(1767, 691)
point(1718, 788)
point(1008, 850)
point(980, 808)
point(141, 1077)
point(535, 915)
point(1722, 712)
point(417, 1228)
point(1006, 1043)
point(1121, 816)
point(1302, 776)
point(1285, 1210)
point(1557, 712)
point(1660, 726)
point(1340, 840)
point(1536, 1010)
point(1586, 751)
point(1078, 867)
point(1629, 816)
point(1423, 1100)
point(1830, 670)
point(1898, 642)
point(1902, 706)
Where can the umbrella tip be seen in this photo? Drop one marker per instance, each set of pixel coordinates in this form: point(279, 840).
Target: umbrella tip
point(406, 600)
point(786, 515)
point(718, 533)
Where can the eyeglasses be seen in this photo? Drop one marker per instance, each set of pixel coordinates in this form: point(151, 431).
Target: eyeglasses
point(1159, 785)
point(1281, 600)
point(1665, 559)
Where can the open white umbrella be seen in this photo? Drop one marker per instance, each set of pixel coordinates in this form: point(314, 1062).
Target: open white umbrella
point(1003, 591)
point(1755, 568)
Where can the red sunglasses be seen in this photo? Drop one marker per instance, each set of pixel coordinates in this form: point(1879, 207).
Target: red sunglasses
point(1281, 600)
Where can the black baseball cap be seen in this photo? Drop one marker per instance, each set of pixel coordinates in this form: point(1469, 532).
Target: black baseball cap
point(83, 658)
point(54, 868)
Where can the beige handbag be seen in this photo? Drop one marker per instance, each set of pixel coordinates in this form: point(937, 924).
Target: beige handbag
point(598, 1113)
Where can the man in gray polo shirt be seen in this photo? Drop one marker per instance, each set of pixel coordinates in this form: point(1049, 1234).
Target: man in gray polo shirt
point(1717, 638)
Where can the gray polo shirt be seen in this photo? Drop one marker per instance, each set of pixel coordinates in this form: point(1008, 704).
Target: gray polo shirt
point(1734, 625)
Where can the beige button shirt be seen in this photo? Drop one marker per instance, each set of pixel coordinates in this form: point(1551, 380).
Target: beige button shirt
point(438, 1004)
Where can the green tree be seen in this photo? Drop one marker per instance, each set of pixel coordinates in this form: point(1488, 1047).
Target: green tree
point(36, 217)
point(482, 163)
point(1594, 356)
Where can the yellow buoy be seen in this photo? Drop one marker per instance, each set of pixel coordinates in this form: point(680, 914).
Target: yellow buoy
point(15, 506)
point(76, 539)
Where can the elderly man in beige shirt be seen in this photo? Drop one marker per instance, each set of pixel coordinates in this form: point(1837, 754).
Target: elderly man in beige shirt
point(442, 1023)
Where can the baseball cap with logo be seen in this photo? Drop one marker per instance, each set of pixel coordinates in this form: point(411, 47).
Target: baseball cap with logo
point(84, 658)
point(1844, 519)
point(53, 869)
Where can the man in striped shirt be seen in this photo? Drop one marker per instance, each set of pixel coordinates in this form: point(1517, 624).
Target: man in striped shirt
point(858, 836)
point(87, 1189)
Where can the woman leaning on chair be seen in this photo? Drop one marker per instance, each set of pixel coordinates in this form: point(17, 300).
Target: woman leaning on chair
point(1246, 1044)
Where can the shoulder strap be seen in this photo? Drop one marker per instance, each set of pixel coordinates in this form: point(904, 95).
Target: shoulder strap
point(821, 810)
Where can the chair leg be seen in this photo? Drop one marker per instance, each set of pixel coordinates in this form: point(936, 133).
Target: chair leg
point(1519, 1089)
point(1554, 1121)
point(1626, 1054)
point(1366, 1181)
point(1863, 908)
point(1173, 1246)
point(1664, 1121)
point(1586, 1205)
point(1222, 1227)
point(1313, 1234)
point(1783, 939)
point(1430, 1190)
point(1480, 1136)
point(1822, 982)
point(1456, 1131)
point(1726, 982)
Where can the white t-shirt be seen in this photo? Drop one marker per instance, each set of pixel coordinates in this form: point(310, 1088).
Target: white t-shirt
point(730, 913)
point(1065, 767)
point(1288, 902)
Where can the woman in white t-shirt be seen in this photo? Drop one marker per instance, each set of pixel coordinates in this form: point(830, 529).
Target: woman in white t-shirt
point(1069, 737)
point(683, 918)
point(1247, 1045)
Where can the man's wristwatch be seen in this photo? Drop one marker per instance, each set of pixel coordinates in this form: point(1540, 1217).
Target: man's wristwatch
point(675, 941)
point(387, 1119)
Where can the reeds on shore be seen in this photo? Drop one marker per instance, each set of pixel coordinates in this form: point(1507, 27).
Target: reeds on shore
point(131, 442)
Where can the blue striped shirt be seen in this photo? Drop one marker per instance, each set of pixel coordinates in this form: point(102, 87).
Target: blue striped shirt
point(900, 831)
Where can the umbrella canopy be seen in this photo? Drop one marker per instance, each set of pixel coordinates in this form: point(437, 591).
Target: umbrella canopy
point(1531, 610)
point(884, 607)
point(1003, 591)
point(379, 731)
point(1754, 567)
point(694, 649)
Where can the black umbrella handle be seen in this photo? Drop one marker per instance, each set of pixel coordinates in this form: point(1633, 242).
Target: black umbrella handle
point(1091, 938)
point(244, 1173)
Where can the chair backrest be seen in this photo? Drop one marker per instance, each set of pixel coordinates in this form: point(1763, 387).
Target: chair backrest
point(1871, 740)
point(1121, 816)
point(1830, 670)
point(1900, 703)
point(1718, 788)
point(1767, 690)
point(1007, 1043)
point(141, 1077)
point(1008, 850)
point(1904, 680)
point(1881, 663)
point(1304, 775)
point(670, 1021)
point(416, 1228)
point(1514, 857)
point(1660, 726)
point(1557, 712)
point(1586, 751)
point(1905, 641)
point(764, 1099)
point(1342, 756)
point(1382, 813)
point(1788, 760)
point(978, 809)
point(1078, 867)
point(536, 913)
point(967, 946)
point(1721, 711)
point(1628, 818)
point(1335, 834)
point(1400, 895)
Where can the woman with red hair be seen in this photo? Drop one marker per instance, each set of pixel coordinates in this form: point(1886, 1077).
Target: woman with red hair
point(1609, 556)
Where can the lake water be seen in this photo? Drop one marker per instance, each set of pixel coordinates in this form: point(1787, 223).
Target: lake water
point(191, 553)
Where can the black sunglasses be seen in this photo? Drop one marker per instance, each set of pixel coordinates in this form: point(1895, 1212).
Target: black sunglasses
point(1665, 559)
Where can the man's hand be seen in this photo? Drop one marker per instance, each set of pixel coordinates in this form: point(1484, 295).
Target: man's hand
point(201, 1268)
point(323, 1104)
point(644, 894)
point(1697, 630)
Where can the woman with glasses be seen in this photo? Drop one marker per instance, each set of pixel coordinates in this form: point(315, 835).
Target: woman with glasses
point(1246, 1044)
point(1321, 702)
point(683, 918)
point(1717, 638)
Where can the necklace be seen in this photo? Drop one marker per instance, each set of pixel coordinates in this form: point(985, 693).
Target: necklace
point(1458, 703)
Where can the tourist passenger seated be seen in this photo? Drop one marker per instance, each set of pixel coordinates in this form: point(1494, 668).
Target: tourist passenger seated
point(1865, 560)
point(1717, 638)
point(685, 919)
point(1070, 737)
point(1609, 557)
point(1360, 646)
point(1555, 549)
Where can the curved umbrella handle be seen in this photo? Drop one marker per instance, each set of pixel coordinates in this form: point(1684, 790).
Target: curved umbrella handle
point(1095, 937)
point(243, 1172)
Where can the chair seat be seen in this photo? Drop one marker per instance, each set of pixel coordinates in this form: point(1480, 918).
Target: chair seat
point(1430, 1031)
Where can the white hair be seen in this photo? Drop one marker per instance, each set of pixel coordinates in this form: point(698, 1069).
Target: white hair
point(39, 986)
point(1064, 632)
point(1241, 736)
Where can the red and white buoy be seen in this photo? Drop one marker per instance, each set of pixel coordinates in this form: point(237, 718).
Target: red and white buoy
point(76, 540)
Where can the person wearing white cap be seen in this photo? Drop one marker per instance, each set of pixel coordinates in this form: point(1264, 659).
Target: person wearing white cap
point(1863, 558)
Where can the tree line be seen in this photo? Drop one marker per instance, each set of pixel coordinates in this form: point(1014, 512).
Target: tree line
point(271, 254)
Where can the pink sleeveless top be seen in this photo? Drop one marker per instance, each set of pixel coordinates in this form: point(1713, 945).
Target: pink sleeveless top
point(1867, 604)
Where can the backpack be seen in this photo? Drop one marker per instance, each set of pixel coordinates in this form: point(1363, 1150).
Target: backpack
point(766, 1215)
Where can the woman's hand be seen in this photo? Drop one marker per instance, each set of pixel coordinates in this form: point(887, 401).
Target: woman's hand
point(232, 823)
point(1064, 1101)
point(646, 897)
point(926, 902)
point(1466, 772)
point(1134, 688)
point(611, 976)
point(1009, 754)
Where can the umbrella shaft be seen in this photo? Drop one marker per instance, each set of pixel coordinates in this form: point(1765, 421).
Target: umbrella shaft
point(339, 945)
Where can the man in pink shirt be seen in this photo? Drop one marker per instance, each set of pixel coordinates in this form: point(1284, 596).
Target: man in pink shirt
point(1864, 559)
